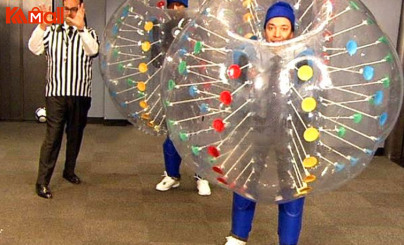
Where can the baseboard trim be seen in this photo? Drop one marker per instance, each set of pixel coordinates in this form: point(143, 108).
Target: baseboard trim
point(107, 122)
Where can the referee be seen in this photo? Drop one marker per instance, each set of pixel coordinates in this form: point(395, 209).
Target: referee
point(69, 49)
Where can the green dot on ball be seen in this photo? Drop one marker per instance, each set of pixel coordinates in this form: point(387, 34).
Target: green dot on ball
point(121, 67)
point(389, 58)
point(341, 132)
point(195, 150)
point(171, 84)
point(198, 47)
point(182, 67)
point(354, 5)
point(170, 122)
point(130, 82)
point(383, 39)
point(115, 53)
point(184, 136)
point(370, 21)
point(357, 118)
point(386, 82)
point(240, 30)
point(167, 103)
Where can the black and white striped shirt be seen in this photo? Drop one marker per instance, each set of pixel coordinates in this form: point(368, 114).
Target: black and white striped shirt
point(69, 59)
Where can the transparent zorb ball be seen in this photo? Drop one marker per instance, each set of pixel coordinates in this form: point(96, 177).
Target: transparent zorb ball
point(133, 48)
point(276, 121)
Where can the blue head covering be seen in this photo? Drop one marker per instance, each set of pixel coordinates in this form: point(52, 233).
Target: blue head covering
point(281, 9)
point(185, 2)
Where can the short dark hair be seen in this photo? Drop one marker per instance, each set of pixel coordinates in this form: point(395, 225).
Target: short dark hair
point(81, 1)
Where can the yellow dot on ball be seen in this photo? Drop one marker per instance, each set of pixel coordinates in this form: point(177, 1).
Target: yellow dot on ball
point(311, 134)
point(150, 124)
point(146, 46)
point(143, 104)
point(141, 86)
point(145, 116)
point(310, 162)
point(143, 67)
point(148, 26)
point(309, 104)
point(303, 191)
point(247, 3)
point(310, 178)
point(305, 73)
point(247, 17)
point(248, 35)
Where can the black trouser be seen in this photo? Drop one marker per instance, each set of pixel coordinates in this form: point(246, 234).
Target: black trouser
point(60, 111)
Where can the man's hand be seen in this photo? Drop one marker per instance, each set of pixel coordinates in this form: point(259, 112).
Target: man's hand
point(45, 9)
point(78, 20)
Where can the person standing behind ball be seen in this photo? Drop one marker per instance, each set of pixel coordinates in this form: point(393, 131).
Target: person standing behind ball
point(279, 26)
point(69, 49)
point(172, 159)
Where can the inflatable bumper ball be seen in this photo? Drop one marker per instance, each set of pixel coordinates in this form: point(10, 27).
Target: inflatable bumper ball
point(133, 48)
point(277, 121)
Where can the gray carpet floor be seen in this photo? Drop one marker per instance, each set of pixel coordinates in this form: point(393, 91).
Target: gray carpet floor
point(117, 204)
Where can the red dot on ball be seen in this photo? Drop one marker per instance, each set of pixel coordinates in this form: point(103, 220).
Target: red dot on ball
point(234, 71)
point(160, 4)
point(226, 98)
point(218, 125)
point(232, 185)
point(222, 180)
point(213, 151)
point(326, 59)
point(327, 35)
point(218, 170)
point(243, 189)
point(333, 3)
point(202, 67)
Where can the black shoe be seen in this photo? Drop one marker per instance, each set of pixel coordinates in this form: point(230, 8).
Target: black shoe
point(43, 191)
point(74, 179)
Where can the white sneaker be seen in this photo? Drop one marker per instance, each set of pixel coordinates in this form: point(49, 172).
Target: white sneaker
point(234, 241)
point(203, 186)
point(167, 183)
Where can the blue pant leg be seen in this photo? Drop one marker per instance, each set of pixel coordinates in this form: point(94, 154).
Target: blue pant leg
point(172, 159)
point(290, 221)
point(242, 216)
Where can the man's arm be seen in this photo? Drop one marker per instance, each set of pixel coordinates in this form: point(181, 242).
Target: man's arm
point(35, 43)
point(88, 37)
point(90, 42)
